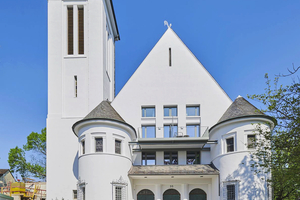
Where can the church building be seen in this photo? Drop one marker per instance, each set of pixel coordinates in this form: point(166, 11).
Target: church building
point(171, 133)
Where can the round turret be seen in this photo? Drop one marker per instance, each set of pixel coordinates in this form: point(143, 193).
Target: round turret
point(104, 156)
point(235, 134)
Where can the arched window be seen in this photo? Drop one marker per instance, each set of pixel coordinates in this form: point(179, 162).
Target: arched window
point(171, 194)
point(145, 195)
point(197, 194)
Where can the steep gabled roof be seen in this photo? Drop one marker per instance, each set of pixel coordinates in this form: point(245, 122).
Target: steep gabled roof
point(3, 171)
point(239, 108)
point(104, 111)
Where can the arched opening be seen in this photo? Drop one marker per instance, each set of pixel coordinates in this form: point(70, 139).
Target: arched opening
point(171, 194)
point(197, 194)
point(145, 195)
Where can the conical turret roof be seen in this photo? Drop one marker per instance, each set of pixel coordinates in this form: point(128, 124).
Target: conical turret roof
point(104, 111)
point(240, 108)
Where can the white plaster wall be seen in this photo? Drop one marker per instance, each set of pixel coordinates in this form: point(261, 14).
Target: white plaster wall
point(236, 165)
point(205, 157)
point(186, 82)
point(63, 108)
point(99, 169)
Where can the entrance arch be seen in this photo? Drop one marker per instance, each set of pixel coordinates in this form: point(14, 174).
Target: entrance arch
point(197, 194)
point(145, 195)
point(171, 194)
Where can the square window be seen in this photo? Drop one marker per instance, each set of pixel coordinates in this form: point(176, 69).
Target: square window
point(148, 158)
point(230, 192)
point(170, 158)
point(192, 157)
point(230, 144)
point(251, 141)
point(170, 131)
point(148, 112)
point(193, 130)
point(193, 111)
point(98, 144)
point(148, 131)
point(170, 111)
point(118, 146)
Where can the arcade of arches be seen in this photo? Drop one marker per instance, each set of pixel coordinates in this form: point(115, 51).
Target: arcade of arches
point(172, 194)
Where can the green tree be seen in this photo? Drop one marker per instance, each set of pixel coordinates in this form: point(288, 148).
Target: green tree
point(36, 167)
point(278, 151)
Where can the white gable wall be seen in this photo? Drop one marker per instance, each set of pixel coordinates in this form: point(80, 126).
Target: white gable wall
point(186, 82)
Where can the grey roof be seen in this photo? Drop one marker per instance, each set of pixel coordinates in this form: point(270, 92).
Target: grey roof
point(104, 111)
point(240, 108)
point(3, 171)
point(173, 170)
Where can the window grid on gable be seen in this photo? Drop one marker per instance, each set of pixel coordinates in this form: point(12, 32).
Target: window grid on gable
point(148, 111)
point(170, 111)
point(192, 110)
point(148, 132)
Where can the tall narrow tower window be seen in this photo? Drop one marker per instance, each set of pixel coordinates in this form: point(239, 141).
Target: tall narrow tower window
point(80, 30)
point(75, 86)
point(170, 57)
point(70, 31)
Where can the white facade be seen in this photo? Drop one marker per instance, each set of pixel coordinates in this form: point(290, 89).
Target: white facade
point(159, 136)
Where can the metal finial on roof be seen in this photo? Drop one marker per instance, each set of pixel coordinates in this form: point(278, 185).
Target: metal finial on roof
point(239, 96)
point(167, 24)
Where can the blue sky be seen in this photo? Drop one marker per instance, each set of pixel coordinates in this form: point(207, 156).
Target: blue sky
point(237, 41)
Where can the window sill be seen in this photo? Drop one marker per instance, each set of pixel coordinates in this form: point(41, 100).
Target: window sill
point(75, 56)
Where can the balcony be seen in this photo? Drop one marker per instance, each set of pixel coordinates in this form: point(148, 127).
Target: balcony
point(177, 141)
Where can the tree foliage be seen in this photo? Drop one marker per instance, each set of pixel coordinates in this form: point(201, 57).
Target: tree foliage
point(36, 167)
point(278, 151)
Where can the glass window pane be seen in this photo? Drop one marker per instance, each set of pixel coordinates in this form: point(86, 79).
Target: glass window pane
point(230, 192)
point(148, 112)
point(230, 144)
point(148, 158)
point(148, 131)
point(170, 158)
point(170, 111)
point(170, 131)
point(99, 144)
point(251, 141)
point(192, 157)
point(193, 130)
point(117, 146)
point(192, 111)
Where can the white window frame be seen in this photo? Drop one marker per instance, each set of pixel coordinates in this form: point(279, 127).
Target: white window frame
point(81, 139)
point(236, 185)
point(146, 130)
point(170, 112)
point(224, 143)
point(189, 106)
point(246, 133)
point(145, 107)
point(119, 183)
point(121, 139)
point(98, 135)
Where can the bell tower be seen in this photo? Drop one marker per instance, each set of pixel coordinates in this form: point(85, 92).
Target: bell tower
point(81, 43)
